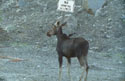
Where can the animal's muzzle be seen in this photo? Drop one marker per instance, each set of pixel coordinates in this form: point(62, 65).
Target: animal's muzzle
point(48, 34)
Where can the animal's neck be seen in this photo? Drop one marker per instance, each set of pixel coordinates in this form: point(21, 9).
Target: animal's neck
point(60, 35)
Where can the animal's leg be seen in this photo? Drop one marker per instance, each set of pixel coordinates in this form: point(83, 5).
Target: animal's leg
point(60, 67)
point(86, 68)
point(83, 63)
point(60, 73)
point(81, 77)
point(68, 65)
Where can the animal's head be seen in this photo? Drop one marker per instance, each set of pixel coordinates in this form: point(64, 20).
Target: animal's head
point(55, 28)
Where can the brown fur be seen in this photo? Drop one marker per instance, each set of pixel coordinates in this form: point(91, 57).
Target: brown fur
point(70, 47)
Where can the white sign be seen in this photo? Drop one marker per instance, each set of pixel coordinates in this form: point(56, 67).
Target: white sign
point(66, 5)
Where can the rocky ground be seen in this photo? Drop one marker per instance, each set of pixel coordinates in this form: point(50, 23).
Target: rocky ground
point(27, 54)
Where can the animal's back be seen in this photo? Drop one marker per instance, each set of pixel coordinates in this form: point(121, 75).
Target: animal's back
point(80, 42)
point(74, 45)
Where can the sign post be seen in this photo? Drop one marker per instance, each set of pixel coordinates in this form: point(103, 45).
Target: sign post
point(66, 6)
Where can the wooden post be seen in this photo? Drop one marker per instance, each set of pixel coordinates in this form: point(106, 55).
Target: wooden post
point(85, 4)
point(63, 15)
point(86, 7)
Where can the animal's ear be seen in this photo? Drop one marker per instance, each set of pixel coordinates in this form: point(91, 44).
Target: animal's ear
point(57, 23)
point(63, 24)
